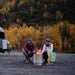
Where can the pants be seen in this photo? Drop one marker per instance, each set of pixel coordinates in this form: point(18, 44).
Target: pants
point(45, 56)
point(29, 55)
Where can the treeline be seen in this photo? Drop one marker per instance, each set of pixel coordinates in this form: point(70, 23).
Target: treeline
point(39, 19)
point(62, 35)
point(36, 12)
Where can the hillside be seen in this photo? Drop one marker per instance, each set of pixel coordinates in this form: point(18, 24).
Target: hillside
point(39, 19)
point(36, 12)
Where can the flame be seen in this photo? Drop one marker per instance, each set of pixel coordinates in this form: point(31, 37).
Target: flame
point(38, 52)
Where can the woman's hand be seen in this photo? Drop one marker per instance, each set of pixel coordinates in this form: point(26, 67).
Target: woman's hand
point(45, 50)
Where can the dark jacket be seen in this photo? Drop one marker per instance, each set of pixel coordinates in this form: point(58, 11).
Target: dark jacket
point(28, 47)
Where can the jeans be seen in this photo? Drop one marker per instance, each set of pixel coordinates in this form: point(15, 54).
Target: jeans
point(45, 56)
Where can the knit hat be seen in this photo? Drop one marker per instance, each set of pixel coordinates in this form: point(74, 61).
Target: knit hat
point(47, 39)
point(30, 39)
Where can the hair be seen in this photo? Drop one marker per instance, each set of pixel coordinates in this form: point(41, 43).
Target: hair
point(48, 45)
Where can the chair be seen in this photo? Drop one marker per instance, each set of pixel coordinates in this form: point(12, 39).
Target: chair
point(25, 54)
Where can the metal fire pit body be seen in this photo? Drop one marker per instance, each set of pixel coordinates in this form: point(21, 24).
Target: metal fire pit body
point(37, 59)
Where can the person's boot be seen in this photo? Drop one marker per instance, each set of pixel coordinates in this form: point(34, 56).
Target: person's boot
point(26, 61)
point(48, 63)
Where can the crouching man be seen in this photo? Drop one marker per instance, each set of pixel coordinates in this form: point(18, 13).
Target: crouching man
point(30, 50)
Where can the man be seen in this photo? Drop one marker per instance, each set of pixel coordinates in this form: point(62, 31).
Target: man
point(30, 49)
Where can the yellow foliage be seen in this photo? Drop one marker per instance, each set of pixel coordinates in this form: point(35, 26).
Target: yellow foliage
point(21, 2)
point(45, 6)
point(54, 34)
point(11, 35)
point(12, 4)
point(19, 36)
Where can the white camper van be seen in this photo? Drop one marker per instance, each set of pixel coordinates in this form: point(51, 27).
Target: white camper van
point(4, 43)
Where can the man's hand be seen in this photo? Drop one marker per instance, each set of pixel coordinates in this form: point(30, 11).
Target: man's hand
point(34, 51)
point(29, 52)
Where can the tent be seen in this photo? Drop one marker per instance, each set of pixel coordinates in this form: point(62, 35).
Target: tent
point(2, 34)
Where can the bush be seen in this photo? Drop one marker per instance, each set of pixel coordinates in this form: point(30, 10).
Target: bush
point(61, 34)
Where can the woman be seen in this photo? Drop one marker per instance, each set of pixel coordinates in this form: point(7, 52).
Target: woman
point(47, 48)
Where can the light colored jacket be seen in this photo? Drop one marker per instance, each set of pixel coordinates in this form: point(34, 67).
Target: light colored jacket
point(48, 48)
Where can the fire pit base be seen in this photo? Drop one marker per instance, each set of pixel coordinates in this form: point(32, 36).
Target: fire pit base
point(37, 59)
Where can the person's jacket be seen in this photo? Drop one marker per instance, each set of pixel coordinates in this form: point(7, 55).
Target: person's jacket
point(28, 47)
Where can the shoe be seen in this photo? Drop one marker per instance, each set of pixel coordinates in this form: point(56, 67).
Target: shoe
point(47, 64)
point(52, 63)
point(27, 61)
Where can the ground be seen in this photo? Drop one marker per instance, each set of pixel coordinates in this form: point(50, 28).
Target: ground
point(14, 65)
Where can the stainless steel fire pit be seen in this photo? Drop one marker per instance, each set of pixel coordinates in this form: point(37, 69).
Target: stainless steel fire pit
point(37, 59)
